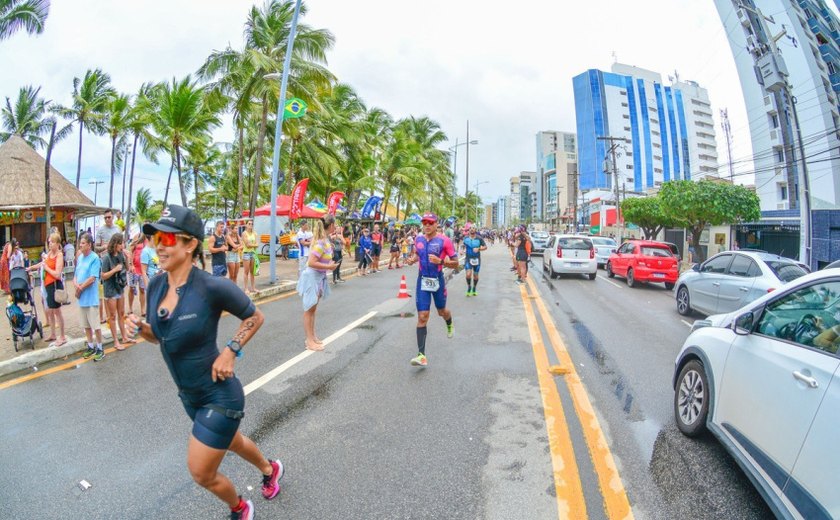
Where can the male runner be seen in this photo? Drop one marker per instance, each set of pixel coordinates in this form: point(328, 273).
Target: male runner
point(434, 251)
point(473, 246)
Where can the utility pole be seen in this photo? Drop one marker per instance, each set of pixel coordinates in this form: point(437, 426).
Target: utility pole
point(727, 132)
point(614, 142)
point(574, 177)
point(772, 75)
point(467, 179)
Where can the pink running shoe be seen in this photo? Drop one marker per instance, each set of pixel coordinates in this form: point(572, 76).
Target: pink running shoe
point(271, 483)
point(246, 513)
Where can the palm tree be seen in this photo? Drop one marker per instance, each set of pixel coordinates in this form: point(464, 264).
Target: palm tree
point(26, 119)
point(183, 114)
point(90, 100)
point(144, 209)
point(266, 34)
point(115, 125)
point(138, 124)
point(29, 15)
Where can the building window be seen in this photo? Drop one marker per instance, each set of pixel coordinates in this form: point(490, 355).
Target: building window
point(657, 170)
point(626, 128)
point(623, 92)
point(780, 154)
point(628, 166)
point(657, 145)
point(783, 192)
point(774, 120)
point(624, 104)
point(626, 116)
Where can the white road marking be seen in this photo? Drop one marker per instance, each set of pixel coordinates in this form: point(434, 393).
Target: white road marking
point(260, 381)
point(687, 324)
point(609, 281)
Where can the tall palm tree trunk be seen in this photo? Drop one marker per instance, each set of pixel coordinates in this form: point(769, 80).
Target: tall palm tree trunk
point(195, 186)
point(47, 201)
point(168, 180)
point(113, 161)
point(260, 146)
point(131, 185)
point(180, 177)
point(238, 202)
point(122, 192)
point(79, 162)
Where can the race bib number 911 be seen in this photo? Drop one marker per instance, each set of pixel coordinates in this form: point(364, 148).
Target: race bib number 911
point(429, 284)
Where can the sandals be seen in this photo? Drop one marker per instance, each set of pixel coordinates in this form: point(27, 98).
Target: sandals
point(58, 343)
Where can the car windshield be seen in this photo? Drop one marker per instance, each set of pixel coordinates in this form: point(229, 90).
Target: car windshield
point(656, 251)
point(604, 242)
point(574, 243)
point(539, 234)
point(785, 271)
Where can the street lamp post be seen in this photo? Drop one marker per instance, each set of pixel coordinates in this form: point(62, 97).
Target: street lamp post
point(454, 150)
point(477, 184)
point(275, 163)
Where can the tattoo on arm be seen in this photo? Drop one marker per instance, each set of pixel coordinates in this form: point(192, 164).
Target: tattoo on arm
point(246, 330)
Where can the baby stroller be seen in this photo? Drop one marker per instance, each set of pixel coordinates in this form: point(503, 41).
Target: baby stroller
point(23, 323)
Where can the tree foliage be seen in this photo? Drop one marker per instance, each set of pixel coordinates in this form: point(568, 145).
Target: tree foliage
point(695, 205)
point(647, 213)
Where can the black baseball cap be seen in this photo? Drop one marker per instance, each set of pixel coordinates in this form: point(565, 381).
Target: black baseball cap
point(177, 219)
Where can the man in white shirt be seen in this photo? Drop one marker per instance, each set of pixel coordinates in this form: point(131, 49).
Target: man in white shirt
point(304, 240)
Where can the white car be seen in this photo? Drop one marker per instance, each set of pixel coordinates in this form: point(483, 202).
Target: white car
point(539, 239)
point(604, 247)
point(730, 280)
point(765, 380)
point(570, 254)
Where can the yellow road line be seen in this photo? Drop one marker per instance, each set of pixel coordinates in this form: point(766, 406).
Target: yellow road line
point(80, 360)
point(567, 485)
point(616, 503)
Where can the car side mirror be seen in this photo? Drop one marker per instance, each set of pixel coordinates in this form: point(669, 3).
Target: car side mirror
point(612, 250)
point(695, 267)
point(743, 324)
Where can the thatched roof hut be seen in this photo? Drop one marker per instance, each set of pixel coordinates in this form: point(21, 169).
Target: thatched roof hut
point(22, 182)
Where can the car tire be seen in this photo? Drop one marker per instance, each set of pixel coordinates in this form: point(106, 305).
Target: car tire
point(610, 272)
point(631, 282)
point(669, 285)
point(691, 399)
point(592, 276)
point(683, 301)
point(551, 273)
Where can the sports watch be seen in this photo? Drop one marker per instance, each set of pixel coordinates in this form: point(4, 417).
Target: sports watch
point(235, 347)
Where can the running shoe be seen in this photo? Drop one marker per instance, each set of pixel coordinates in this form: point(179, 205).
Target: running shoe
point(89, 352)
point(246, 513)
point(99, 355)
point(474, 293)
point(469, 293)
point(419, 361)
point(449, 330)
point(271, 483)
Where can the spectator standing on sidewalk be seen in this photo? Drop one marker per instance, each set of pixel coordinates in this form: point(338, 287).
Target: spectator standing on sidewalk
point(148, 263)
point(4, 265)
point(249, 251)
point(312, 284)
point(234, 249)
point(376, 239)
point(522, 246)
point(52, 266)
point(338, 254)
point(103, 238)
point(304, 242)
point(136, 280)
point(394, 260)
point(185, 305)
point(218, 247)
point(88, 267)
point(114, 280)
point(365, 248)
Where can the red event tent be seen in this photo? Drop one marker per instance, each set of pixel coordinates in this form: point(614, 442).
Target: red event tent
point(284, 203)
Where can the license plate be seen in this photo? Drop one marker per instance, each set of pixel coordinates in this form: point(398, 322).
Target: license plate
point(576, 264)
point(658, 275)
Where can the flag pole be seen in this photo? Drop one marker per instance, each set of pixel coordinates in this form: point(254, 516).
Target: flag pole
point(275, 163)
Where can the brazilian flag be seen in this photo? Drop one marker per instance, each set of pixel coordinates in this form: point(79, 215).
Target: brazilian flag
point(295, 108)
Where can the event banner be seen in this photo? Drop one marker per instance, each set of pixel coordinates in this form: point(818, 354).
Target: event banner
point(333, 201)
point(298, 195)
point(370, 205)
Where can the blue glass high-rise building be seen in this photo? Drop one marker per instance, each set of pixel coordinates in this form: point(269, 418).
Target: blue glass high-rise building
point(667, 130)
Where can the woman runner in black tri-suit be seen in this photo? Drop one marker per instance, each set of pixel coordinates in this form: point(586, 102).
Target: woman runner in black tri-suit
point(184, 307)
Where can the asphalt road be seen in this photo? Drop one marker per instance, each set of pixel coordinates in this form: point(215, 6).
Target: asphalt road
point(366, 436)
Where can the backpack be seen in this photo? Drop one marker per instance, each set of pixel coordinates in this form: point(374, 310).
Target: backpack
point(528, 246)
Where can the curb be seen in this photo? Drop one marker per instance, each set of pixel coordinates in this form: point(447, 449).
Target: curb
point(31, 360)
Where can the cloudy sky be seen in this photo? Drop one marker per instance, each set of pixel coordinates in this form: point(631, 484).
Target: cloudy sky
point(505, 67)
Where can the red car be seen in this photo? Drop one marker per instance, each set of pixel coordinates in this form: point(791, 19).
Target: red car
point(644, 261)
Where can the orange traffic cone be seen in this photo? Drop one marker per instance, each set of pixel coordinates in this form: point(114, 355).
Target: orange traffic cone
point(403, 289)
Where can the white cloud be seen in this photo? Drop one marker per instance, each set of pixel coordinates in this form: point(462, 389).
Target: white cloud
point(507, 67)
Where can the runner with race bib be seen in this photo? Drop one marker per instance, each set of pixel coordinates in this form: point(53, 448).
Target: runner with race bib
point(473, 246)
point(433, 251)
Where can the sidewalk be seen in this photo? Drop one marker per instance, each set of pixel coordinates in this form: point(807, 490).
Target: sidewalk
point(26, 357)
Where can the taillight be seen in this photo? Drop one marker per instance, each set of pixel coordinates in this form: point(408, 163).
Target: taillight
point(591, 253)
point(559, 252)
